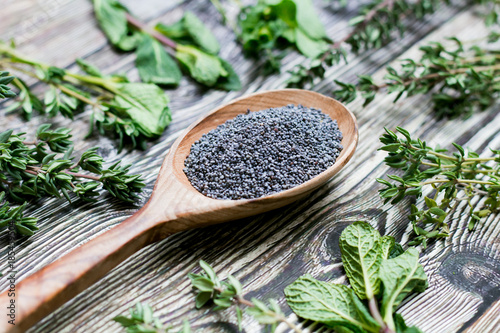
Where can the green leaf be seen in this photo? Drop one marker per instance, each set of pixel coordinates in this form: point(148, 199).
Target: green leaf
point(437, 211)
point(200, 34)
point(308, 21)
point(329, 304)
point(111, 15)
point(202, 298)
point(191, 30)
point(155, 65)
point(203, 67)
point(287, 11)
point(231, 81)
point(430, 202)
point(386, 245)
point(362, 257)
point(88, 68)
point(400, 276)
point(146, 104)
point(309, 47)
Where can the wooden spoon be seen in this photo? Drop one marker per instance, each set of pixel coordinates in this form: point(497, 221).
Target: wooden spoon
point(174, 206)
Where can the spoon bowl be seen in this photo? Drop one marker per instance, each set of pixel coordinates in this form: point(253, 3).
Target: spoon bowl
point(175, 205)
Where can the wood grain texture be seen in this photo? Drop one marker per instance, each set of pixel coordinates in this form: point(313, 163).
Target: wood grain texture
point(45, 290)
point(271, 250)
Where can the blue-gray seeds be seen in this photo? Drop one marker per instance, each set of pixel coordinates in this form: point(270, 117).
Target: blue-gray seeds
point(263, 152)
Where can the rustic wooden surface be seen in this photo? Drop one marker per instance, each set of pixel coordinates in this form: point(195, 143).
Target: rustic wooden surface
point(271, 250)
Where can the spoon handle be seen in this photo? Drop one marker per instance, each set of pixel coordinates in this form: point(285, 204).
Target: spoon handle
point(43, 292)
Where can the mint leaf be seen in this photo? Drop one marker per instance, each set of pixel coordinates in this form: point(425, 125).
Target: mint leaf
point(155, 65)
point(329, 304)
point(191, 30)
point(387, 243)
point(203, 67)
point(111, 16)
point(231, 81)
point(146, 105)
point(308, 21)
point(311, 48)
point(362, 257)
point(400, 276)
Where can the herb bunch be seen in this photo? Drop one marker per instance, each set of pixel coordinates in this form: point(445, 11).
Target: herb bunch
point(189, 41)
point(131, 112)
point(227, 293)
point(46, 167)
point(376, 24)
point(265, 28)
point(461, 80)
point(378, 271)
point(373, 27)
point(5, 90)
point(450, 178)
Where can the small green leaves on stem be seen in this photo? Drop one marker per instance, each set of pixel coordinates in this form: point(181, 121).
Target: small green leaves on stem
point(383, 269)
point(374, 26)
point(189, 40)
point(5, 91)
point(460, 80)
point(361, 246)
point(132, 112)
point(163, 70)
point(142, 320)
point(268, 26)
point(45, 167)
point(224, 294)
point(25, 226)
point(452, 178)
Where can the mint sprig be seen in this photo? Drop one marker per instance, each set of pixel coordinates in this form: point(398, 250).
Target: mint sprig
point(188, 40)
point(383, 281)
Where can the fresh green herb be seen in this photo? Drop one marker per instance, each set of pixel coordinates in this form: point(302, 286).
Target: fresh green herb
point(189, 40)
point(377, 23)
point(452, 178)
point(373, 272)
point(461, 80)
point(142, 320)
point(373, 27)
point(45, 167)
point(191, 31)
point(132, 111)
point(271, 25)
point(224, 294)
point(379, 270)
point(5, 91)
point(25, 226)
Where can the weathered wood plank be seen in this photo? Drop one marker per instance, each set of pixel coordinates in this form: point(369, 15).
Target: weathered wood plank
point(270, 251)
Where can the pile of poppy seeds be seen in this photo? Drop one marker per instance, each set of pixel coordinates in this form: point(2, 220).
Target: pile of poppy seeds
point(263, 152)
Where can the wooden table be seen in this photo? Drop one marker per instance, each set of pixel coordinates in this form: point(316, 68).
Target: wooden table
point(269, 251)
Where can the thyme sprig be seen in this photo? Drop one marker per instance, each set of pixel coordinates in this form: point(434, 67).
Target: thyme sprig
point(462, 80)
point(46, 167)
point(143, 320)
point(5, 90)
point(376, 24)
point(448, 178)
point(226, 293)
point(132, 112)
